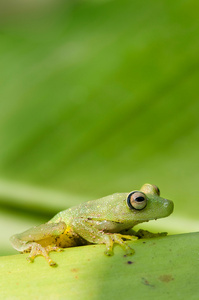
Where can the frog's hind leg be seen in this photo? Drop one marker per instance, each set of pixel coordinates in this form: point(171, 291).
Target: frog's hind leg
point(39, 240)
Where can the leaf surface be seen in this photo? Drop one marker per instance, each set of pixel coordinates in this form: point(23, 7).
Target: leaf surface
point(161, 268)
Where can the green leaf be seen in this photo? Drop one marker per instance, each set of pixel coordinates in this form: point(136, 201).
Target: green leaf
point(96, 98)
point(161, 268)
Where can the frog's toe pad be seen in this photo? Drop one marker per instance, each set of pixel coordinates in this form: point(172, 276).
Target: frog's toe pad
point(52, 263)
point(108, 252)
point(30, 259)
point(129, 251)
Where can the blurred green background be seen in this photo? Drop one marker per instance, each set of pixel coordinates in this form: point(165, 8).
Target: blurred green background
point(97, 97)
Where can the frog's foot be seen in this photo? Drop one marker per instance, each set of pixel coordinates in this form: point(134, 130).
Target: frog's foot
point(37, 249)
point(144, 234)
point(50, 248)
point(116, 238)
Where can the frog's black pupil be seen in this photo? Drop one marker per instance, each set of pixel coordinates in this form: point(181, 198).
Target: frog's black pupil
point(139, 199)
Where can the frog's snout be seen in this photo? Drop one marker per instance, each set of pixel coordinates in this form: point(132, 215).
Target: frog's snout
point(169, 206)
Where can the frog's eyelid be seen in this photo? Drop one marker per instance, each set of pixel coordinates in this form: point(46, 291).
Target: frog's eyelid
point(128, 200)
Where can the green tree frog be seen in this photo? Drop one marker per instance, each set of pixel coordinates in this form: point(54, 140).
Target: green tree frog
point(102, 221)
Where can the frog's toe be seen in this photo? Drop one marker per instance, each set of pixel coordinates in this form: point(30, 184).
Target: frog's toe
point(30, 259)
point(118, 238)
point(108, 252)
point(37, 249)
point(130, 237)
point(52, 263)
point(54, 248)
point(59, 249)
point(129, 250)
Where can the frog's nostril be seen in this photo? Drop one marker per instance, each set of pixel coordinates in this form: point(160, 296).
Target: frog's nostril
point(166, 202)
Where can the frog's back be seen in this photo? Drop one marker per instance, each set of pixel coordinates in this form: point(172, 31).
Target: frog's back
point(89, 209)
point(64, 216)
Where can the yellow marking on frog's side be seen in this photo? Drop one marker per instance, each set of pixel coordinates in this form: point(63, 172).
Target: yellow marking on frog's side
point(67, 239)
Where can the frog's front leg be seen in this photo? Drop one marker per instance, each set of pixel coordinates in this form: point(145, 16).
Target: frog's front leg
point(89, 231)
point(39, 240)
point(116, 238)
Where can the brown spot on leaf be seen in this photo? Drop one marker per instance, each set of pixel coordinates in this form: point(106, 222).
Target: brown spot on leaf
point(74, 270)
point(166, 278)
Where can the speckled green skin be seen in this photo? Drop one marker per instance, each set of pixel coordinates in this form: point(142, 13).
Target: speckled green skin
point(111, 214)
point(97, 221)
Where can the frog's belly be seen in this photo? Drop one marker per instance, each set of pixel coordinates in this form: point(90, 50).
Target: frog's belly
point(68, 239)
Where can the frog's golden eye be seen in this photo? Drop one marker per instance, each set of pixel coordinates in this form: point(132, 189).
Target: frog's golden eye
point(136, 200)
point(156, 189)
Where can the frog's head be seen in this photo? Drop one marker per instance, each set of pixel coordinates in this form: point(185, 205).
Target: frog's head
point(147, 203)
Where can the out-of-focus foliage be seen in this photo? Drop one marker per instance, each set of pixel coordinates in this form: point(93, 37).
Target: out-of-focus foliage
point(95, 98)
